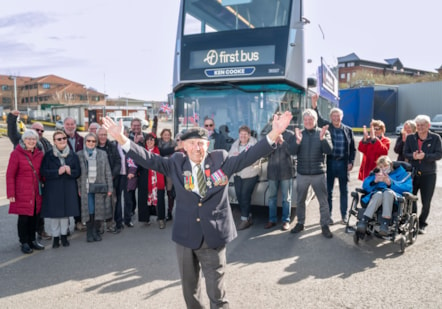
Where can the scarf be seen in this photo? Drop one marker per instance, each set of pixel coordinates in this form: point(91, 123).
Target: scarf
point(91, 161)
point(152, 187)
point(61, 154)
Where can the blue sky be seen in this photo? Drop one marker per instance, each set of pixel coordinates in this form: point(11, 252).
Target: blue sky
point(125, 48)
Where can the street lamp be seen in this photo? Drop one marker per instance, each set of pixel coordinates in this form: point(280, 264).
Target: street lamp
point(14, 78)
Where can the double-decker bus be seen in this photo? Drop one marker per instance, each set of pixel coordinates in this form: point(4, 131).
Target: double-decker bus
point(239, 62)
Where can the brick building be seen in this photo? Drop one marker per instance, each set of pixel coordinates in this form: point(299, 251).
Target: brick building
point(349, 65)
point(48, 90)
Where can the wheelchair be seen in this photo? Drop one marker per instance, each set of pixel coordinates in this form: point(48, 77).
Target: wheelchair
point(404, 223)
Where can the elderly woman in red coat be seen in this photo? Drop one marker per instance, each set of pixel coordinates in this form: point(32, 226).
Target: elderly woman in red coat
point(24, 189)
point(372, 146)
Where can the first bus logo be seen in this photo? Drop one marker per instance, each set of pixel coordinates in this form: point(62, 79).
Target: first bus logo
point(212, 57)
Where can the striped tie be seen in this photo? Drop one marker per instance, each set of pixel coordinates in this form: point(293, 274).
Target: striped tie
point(201, 181)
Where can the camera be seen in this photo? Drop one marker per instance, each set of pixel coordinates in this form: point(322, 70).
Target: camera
point(376, 170)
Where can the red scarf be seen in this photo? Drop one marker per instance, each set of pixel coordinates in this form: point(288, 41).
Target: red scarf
point(155, 182)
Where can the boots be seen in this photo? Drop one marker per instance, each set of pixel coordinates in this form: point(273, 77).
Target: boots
point(96, 231)
point(64, 241)
point(361, 227)
point(89, 228)
point(56, 242)
point(383, 229)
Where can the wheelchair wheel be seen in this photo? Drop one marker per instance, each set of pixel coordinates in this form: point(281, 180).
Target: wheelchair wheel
point(413, 229)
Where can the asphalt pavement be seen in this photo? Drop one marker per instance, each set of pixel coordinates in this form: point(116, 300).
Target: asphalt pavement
point(266, 268)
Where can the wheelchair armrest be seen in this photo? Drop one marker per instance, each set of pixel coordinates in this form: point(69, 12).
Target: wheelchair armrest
point(409, 196)
point(362, 191)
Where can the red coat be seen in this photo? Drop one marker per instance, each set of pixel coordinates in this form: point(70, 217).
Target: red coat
point(22, 183)
point(371, 152)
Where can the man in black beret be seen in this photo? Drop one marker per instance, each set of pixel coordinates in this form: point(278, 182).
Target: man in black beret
point(203, 222)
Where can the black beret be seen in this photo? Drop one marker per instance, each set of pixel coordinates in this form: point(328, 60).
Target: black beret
point(200, 133)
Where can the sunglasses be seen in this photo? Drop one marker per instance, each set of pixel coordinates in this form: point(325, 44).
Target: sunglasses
point(377, 129)
point(208, 125)
point(59, 139)
point(39, 130)
point(91, 141)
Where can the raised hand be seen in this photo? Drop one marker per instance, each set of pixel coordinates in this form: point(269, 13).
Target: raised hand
point(314, 101)
point(281, 122)
point(323, 131)
point(365, 133)
point(115, 129)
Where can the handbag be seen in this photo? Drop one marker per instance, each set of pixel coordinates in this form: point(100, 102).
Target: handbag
point(98, 188)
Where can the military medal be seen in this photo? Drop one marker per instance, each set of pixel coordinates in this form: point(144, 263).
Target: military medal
point(207, 173)
point(188, 181)
point(219, 178)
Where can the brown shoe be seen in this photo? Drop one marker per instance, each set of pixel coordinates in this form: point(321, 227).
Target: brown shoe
point(244, 225)
point(270, 225)
point(285, 226)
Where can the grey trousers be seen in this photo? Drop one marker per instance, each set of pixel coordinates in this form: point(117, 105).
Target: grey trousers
point(318, 184)
point(384, 198)
point(213, 264)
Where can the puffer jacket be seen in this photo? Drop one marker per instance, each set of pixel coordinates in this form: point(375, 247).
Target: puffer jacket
point(21, 181)
point(311, 152)
point(280, 165)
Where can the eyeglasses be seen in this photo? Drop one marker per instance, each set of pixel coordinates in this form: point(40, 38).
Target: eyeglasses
point(39, 130)
point(377, 129)
point(91, 141)
point(208, 125)
point(60, 139)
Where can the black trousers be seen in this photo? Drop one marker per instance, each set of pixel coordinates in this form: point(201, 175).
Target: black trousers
point(27, 226)
point(426, 184)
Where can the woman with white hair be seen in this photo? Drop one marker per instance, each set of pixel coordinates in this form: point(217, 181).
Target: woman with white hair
point(23, 186)
point(422, 149)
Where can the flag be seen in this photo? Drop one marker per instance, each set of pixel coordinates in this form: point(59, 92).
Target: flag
point(165, 108)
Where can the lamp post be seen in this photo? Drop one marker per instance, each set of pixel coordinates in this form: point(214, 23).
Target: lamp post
point(14, 78)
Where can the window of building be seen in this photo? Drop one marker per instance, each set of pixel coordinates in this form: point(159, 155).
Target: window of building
point(342, 76)
point(350, 64)
point(6, 100)
point(5, 87)
point(46, 86)
point(31, 99)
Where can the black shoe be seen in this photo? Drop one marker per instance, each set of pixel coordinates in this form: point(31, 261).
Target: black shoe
point(326, 231)
point(298, 228)
point(36, 245)
point(117, 230)
point(383, 229)
point(65, 241)
point(130, 224)
point(361, 227)
point(26, 249)
point(56, 242)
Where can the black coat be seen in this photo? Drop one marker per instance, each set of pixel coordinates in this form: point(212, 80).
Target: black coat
point(60, 194)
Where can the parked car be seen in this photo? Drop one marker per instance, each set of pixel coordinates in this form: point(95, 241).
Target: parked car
point(59, 125)
point(436, 124)
point(127, 120)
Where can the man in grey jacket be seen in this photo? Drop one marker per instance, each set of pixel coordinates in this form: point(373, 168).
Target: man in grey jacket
point(311, 145)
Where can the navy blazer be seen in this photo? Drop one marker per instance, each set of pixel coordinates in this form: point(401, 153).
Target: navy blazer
point(208, 218)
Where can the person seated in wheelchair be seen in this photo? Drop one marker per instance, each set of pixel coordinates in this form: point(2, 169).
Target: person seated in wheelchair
point(383, 185)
